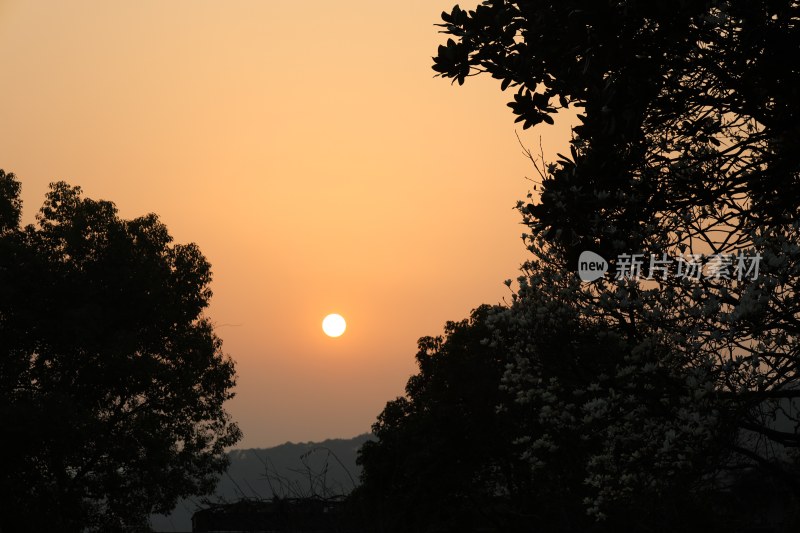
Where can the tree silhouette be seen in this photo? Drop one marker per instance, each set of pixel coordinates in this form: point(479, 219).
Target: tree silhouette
point(444, 458)
point(683, 105)
point(687, 142)
point(112, 382)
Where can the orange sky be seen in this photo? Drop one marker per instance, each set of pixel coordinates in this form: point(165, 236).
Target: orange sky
point(307, 149)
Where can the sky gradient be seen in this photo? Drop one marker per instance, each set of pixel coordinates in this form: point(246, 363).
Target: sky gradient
point(308, 150)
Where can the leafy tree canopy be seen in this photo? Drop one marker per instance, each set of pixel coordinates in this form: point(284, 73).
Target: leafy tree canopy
point(444, 458)
point(682, 103)
point(112, 382)
point(688, 142)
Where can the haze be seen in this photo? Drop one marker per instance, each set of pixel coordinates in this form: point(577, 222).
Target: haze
point(308, 150)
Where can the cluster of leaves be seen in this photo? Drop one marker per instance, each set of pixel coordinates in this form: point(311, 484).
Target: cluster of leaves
point(642, 400)
point(112, 382)
point(681, 103)
point(444, 458)
point(687, 139)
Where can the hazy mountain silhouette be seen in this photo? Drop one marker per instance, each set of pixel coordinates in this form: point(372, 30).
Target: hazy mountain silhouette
point(291, 469)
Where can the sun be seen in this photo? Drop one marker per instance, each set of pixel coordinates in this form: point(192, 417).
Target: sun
point(334, 325)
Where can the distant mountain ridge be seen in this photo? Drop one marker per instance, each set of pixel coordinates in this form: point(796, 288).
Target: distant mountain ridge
point(289, 470)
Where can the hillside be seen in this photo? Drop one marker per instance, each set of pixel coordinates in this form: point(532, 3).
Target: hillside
point(291, 469)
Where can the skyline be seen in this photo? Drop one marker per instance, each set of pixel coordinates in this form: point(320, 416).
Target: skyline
point(326, 173)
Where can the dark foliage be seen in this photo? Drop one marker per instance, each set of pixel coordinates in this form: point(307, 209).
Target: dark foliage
point(111, 381)
point(444, 458)
point(687, 137)
point(682, 103)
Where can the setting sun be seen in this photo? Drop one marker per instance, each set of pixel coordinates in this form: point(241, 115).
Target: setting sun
point(334, 325)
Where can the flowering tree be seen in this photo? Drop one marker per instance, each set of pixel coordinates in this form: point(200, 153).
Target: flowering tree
point(687, 144)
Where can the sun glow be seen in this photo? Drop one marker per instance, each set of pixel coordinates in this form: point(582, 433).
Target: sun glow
point(334, 325)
